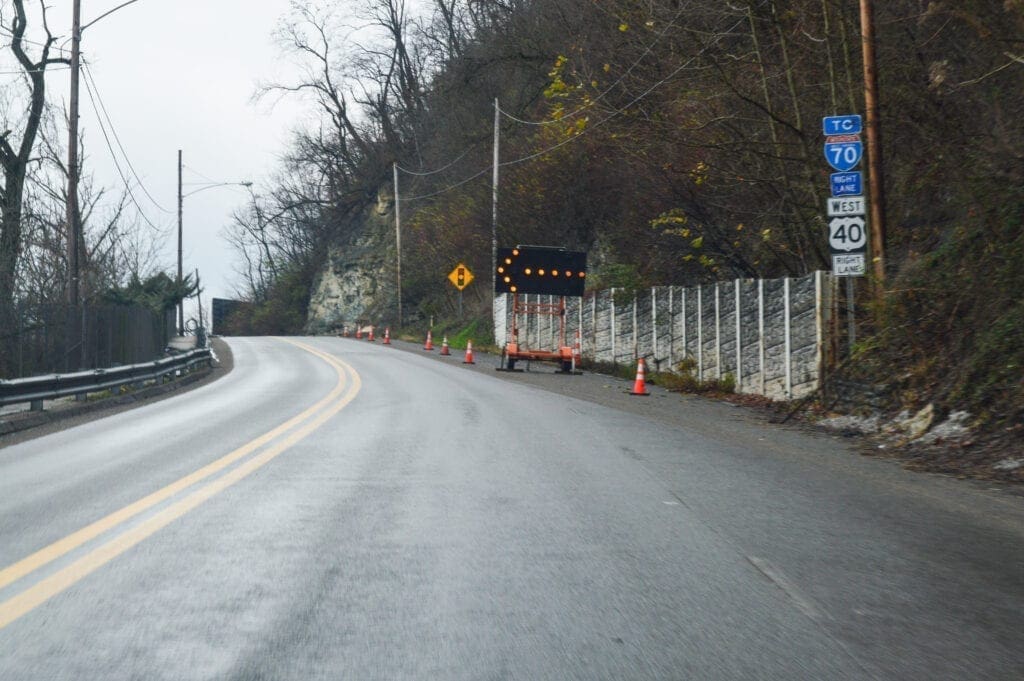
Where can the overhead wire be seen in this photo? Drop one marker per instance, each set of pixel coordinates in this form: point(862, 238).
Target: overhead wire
point(196, 172)
point(117, 165)
point(604, 120)
point(441, 169)
point(450, 187)
point(89, 78)
point(621, 110)
point(4, 31)
point(611, 87)
point(646, 51)
point(46, 70)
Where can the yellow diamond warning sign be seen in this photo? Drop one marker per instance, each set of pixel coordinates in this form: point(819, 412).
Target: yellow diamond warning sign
point(460, 276)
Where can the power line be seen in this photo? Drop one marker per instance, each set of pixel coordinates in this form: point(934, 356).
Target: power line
point(439, 170)
point(610, 116)
point(646, 51)
point(10, 34)
point(95, 89)
point(621, 110)
point(110, 148)
point(450, 187)
point(24, 71)
point(611, 87)
point(193, 170)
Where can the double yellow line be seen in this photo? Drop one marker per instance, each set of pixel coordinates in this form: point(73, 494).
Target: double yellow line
point(293, 430)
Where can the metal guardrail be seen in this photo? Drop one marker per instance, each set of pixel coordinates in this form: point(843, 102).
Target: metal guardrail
point(52, 386)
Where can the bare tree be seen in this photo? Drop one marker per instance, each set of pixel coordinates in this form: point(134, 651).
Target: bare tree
point(16, 154)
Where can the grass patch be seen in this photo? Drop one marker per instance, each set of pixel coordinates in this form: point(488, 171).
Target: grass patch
point(682, 379)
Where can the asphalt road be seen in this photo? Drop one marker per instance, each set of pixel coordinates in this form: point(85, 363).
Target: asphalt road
point(339, 510)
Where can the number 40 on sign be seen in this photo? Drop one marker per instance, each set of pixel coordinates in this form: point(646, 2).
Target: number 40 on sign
point(847, 234)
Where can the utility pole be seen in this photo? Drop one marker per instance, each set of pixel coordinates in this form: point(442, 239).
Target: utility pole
point(74, 254)
point(398, 243)
point(876, 184)
point(494, 206)
point(72, 199)
point(199, 299)
point(181, 303)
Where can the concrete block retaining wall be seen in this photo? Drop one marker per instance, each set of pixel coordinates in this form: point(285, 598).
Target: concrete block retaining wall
point(768, 334)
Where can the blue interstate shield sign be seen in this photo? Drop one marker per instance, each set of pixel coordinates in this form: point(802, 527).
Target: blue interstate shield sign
point(843, 156)
point(847, 184)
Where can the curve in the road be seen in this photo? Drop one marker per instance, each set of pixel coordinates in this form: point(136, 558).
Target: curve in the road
point(300, 426)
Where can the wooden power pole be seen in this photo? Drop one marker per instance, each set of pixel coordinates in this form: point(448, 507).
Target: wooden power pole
point(876, 183)
point(398, 243)
point(73, 218)
point(181, 303)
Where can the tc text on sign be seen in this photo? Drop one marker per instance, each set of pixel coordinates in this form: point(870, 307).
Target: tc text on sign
point(841, 125)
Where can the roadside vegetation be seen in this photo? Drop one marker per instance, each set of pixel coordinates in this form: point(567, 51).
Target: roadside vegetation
point(117, 244)
point(676, 142)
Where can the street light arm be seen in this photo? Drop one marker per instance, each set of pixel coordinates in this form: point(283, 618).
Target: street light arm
point(107, 13)
point(218, 184)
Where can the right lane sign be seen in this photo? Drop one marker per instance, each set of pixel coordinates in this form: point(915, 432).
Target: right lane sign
point(847, 184)
point(852, 265)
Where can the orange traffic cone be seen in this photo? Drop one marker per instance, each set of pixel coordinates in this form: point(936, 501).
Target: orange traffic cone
point(469, 353)
point(429, 345)
point(370, 337)
point(639, 388)
point(444, 346)
point(359, 332)
point(387, 336)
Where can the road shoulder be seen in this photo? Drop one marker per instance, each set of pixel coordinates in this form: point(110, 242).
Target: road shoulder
point(58, 415)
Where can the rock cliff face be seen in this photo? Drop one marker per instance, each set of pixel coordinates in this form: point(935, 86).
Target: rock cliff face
point(357, 282)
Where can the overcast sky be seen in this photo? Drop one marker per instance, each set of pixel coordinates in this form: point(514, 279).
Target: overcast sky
point(180, 74)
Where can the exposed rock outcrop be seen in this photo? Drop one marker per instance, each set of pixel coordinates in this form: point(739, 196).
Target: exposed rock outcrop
point(357, 281)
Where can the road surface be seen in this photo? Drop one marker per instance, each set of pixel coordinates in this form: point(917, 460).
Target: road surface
point(333, 509)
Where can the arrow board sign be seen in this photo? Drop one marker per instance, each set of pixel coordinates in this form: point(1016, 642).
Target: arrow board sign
point(850, 205)
point(847, 234)
point(844, 156)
